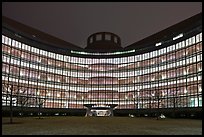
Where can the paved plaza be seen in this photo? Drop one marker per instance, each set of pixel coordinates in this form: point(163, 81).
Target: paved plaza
point(76, 125)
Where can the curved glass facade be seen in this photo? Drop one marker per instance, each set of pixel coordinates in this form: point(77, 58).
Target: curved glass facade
point(170, 77)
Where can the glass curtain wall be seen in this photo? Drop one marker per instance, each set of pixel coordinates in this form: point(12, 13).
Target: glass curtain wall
point(166, 78)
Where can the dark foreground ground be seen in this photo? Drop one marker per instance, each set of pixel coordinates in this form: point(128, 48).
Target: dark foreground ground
point(76, 125)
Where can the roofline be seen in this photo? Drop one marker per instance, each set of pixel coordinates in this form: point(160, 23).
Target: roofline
point(170, 31)
point(189, 27)
point(37, 35)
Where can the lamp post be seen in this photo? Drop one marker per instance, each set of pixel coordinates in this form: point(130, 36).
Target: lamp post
point(39, 103)
point(20, 100)
point(150, 105)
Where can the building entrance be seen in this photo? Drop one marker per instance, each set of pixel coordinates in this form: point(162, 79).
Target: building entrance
point(99, 110)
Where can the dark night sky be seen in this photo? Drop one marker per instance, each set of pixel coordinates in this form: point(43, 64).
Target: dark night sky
point(75, 21)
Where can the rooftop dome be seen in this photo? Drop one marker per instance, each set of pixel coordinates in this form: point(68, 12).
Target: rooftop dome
point(104, 42)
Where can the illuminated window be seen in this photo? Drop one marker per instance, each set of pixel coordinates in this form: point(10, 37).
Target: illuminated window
point(178, 36)
point(197, 38)
point(158, 44)
point(9, 41)
point(32, 49)
point(13, 43)
point(190, 41)
point(28, 47)
point(91, 39)
point(107, 37)
point(115, 40)
point(3, 39)
point(193, 40)
point(183, 44)
point(98, 37)
point(187, 42)
point(201, 36)
point(154, 53)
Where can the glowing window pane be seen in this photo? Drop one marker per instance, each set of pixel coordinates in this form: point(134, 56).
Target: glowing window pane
point(98, 37)
point(107, 37)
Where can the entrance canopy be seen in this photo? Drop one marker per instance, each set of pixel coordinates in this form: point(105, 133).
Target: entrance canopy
point(100, 109)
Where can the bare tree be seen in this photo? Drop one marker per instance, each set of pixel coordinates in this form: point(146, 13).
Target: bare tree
point(40, 102)
point(22, 100)
point(11, 105)
point(157, 94)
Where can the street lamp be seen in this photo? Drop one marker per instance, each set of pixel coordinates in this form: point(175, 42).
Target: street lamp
point(40, 103)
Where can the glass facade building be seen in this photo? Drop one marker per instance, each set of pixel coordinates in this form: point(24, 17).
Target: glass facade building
point(167, 77)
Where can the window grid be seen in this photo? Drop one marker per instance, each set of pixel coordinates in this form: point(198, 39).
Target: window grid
point(68, 87)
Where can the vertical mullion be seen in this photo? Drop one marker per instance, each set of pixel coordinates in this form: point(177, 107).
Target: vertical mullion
point(69, 81)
